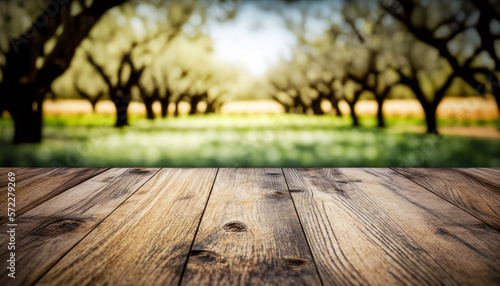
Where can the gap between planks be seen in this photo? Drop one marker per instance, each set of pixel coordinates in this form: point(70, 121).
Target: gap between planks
point(146, 240)
point(475, 192)
point(353, 240)
point(90, 231)
point(198, 227)
point(55, 226)
point(302, 226)
point(294, 191)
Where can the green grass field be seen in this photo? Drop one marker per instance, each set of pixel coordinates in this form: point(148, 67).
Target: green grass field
point(245, 141)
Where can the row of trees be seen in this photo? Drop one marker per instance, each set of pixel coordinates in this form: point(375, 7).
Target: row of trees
point(122, 51)
point(153, 50)
point(168, 65)
point(34, 57)
point(374, 48)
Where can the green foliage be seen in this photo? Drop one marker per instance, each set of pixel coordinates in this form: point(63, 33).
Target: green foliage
point(245, 141)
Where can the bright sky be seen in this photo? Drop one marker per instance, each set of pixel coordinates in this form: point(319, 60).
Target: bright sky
point(255, 39)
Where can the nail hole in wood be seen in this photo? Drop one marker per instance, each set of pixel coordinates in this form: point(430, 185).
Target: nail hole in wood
point(235, 227)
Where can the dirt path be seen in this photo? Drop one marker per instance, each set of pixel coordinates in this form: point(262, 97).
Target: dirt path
point(462, 108)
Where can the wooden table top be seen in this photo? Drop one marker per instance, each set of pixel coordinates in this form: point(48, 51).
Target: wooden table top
point(199, 226)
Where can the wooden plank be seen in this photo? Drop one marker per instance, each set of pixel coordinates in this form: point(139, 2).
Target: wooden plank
point(32, 191)
point(146, 240)
point(464, 246)
point(353, 241)
point(488, 176)
point(474, 196)
point(250, 234)
point(45, 233)
point(21, 174)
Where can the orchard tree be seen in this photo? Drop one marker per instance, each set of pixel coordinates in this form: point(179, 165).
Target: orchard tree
point(185, 69)
point(427, 75)
point(369, 38)
point(164, 72)
point(120, 91)
point(136, 37)
point(441, 41)
point(464, 32)
point(92, 99)
point(286, 91)
point(34, 55)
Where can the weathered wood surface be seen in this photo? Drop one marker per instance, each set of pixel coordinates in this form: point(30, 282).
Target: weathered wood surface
point(468, 192)
point(45, 233)
point(35, 186)
point(22, 174)
point(353, 241)
point(489, 176)
point(464, 246)
point(254, 226)
point(144, 242)
point(250, 234)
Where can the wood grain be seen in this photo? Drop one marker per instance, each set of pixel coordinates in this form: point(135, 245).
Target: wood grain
point(146, 240)
point(488, 176)
point(464, 246)
point(467, 192)
point(34, 188)
point(21, 174)
point(353, 241)
point(46, 232)
point(250, 234)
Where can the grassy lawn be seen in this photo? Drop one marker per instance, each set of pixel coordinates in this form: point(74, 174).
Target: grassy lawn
point(246, 141)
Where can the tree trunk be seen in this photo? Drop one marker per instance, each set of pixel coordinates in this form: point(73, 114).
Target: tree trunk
point(27, 122)
point(27, 116)
point(210, 108)
point(335, 105)
point(176, 112)
point(94, 103)
point(316, 106)
point(354, 116)
point(19, 68)
point(298, 106)
point(380, 112)
point(164, 107)
point(496, 93)
point(121, 104)
point(148, 102)
point(26, 113)
point(430, 119)
point(194, 105)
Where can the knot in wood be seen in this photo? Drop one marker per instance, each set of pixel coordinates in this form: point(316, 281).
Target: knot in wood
point(235, 226)
point(58, 227)
point(139, 171)
point(295, 262)
point(275, 195)
point(204, 255)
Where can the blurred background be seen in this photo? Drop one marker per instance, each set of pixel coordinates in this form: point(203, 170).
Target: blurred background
point(235, 83)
